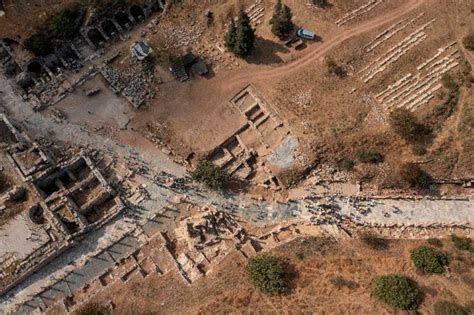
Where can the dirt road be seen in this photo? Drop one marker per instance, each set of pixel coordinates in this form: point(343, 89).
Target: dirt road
point(318, 53)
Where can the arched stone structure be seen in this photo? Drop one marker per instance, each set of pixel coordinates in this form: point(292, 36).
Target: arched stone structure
point(96, 36)
point(123, 20)
point(137, 13)
point(109, 28)
point(35, 68)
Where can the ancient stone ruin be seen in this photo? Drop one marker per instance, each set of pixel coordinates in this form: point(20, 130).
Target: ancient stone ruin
point(52, 205)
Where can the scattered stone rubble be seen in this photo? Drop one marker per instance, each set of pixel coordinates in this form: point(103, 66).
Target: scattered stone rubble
point(44, 79)
point(72, 197)
point(237, 155)
point(381, 63)
point(179, 36)
point(414, 90)
point(358, 12)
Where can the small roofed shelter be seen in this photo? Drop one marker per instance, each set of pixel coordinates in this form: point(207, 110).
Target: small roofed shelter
point(189, 59)
point(199, 67)
point(141, 50)
point(195, 63)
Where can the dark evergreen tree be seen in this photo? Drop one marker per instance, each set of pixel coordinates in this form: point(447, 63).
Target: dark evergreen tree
point(245, 36)
point(240, 36)
point(286, 23)
point(230, 37)
point(281, 20)
point(276, 12)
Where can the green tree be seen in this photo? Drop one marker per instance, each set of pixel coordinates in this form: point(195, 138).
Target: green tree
point(39, 43)
point(245, 36)
point(231, 36)
point(276, 11)
point(64, 24)
point(281, 20)
point(267, 274)
point(91, 309)
point(370, 156)
point(462, 243)
point(397, 291)
point(212, 176)
point(286, 16)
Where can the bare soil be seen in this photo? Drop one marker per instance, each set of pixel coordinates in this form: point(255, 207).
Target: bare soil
point(316, 286)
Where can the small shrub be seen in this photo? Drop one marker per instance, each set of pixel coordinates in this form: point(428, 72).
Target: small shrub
point(397, 291)
point(292, 176)
point(374, 241)
point(418, 149)
point(429, 260)
point(210, 175)
point(462, 243)
point(334, 68)
point(347, 164)
point(299, 255)
point(448, 82)
point(267, 274)
point(435, 242)
point(315, 245)
point(441, 109)
point(340, 282)
point(468, 42)
point(91, 309)
point(415, 176)
point(448, 308)
point(405, 124)
point(370, 156)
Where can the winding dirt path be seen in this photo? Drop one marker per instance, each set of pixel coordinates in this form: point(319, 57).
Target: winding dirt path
point(253, 74)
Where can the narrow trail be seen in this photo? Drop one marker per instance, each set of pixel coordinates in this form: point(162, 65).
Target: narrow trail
point(248, 76)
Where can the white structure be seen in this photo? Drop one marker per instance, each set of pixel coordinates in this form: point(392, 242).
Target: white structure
point(141, 50)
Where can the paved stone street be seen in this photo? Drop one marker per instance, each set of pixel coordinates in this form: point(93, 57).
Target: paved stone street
point(98, 251)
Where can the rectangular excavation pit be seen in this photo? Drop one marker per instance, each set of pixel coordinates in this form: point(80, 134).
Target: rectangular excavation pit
point(234, 147)
point(244, 171)
point(67, 218)
point(254, 112)
point(252, 140)
point(47, 186)
point(271, 135)
point(28, 159)
point(244, 101)
point(100, 210)
point(6, 136)
point(82, 195)
point(221, 157)
point(80, 170)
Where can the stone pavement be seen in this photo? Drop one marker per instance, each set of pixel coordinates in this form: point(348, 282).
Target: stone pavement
point(98, 251)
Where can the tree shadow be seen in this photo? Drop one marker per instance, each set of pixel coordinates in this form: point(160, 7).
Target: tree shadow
point(322, 4)
point(291, 276)
point(265, 52)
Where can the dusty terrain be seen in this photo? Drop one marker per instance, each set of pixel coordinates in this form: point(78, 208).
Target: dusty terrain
point(227, 291)
point(331, 121)
point(334, 118)
point(310, 121)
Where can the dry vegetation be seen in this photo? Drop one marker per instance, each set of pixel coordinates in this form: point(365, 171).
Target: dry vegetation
point(329, 276)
